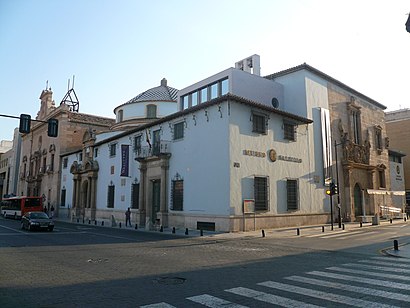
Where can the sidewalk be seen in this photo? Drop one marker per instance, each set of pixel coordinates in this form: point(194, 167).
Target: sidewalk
point(290, 232)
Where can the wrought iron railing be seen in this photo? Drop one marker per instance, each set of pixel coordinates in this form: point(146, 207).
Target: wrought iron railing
point(156, 149)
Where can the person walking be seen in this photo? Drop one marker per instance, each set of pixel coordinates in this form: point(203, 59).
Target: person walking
point(128, 217)
point(52, 211)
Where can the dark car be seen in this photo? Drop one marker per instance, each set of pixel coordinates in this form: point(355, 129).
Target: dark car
point(37, 220)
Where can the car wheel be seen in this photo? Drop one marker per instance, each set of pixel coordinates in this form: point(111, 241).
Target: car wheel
point(50, 229)
point(22, 226)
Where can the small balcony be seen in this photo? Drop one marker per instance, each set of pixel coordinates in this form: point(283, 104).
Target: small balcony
point(156, 149)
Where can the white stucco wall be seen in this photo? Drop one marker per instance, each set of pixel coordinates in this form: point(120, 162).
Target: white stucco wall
point(311, 197)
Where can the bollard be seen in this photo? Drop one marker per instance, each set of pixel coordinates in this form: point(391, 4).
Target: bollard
point(323, 228)
point(78, 220)
point(186, 231)
point(361, 224)
point(405, 219)
point(343, 226)
point(201, 232)
point(391, 220)
point(102, 223)
point(89, 221)
point(297, 231)
point(95, 222)
point(136, 226)
point(396, 245)
point(120, 225)
point(263, 233)
point(173, 230)
point(161, 229)
point(83, 221)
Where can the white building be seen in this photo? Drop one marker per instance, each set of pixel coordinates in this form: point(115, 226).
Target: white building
point(228, 160)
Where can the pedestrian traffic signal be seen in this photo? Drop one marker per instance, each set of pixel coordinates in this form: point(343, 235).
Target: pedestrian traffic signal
point(25, 123)
point(52, 128)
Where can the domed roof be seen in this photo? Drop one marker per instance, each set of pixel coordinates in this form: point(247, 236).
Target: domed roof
point(161, 93)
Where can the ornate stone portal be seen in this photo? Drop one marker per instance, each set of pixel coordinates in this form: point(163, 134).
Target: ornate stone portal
point(85, 179)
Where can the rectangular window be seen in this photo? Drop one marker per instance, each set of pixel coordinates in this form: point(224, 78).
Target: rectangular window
point(214, 90)
point(135, 196)
point(110, 197)
point(177, 195)
point(382, 179)
point(194, 97)
point(204, 95)
point(179, 131)
point(289, 131)
point(378, 137)
point(292, 194)
point(356, 126)
point(184, 102)
point(259, 124)
point(137, 145)
point(156, 142)
point(113, 148)
point(63, 194)
point(44, 165)
point(261, 193)
point(80, 157)
point(95, 152)
point(224, 87)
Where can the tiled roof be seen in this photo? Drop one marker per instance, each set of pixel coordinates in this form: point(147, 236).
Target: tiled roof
point(160, 93)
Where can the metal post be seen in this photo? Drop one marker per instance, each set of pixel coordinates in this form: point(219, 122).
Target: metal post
point(337, 183)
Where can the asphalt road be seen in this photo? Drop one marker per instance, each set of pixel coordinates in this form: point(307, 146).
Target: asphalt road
point(86, 266)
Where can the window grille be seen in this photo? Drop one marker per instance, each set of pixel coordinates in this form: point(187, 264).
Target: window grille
point(179, 131)
point(177, 195)
point(261, 193)
point(110, 197)
point(289, 131)
point(292, 194)
point(259, 124)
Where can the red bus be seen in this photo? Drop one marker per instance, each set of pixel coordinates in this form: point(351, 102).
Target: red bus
point(16, 207)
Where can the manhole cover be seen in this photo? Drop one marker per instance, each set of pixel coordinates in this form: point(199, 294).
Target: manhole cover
point(170, 280)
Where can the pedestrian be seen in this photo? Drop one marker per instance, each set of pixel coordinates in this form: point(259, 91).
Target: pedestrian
point(128, 217)
point(52, 211)
point(45, 209)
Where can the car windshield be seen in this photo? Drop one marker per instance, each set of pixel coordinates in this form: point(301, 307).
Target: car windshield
point(38, 215)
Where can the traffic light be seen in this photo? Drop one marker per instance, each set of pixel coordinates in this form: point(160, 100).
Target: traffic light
point(335, 189)
point(52, 128)
point(332, 190)
point(25, 123)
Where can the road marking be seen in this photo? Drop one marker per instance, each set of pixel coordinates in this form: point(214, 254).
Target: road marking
point(385, 263)
point(350, 288)
point(159, 305)
point(382, 275)
point(345, 300)
point(378, 268)
point(269, 298)
point(393, 259)
point(376, 282)
point(15, 230)
point(213, 302)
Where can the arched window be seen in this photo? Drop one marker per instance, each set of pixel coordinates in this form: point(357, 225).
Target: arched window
point(151, 111)
point(120, 115)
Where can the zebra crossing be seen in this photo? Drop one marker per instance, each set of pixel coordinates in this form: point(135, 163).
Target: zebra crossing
point(376, 282)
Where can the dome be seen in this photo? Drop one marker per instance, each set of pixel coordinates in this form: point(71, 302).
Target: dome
point(160, 93)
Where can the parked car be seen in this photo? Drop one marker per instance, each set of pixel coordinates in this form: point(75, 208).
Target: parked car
point(37, 220)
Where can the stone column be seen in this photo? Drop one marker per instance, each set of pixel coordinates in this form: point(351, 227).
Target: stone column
point(88, 205)
point(142, 194)
point(164, 192)
point(93, 204)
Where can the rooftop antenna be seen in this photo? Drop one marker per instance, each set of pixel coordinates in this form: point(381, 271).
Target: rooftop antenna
point(71, 99)
point(46, 84)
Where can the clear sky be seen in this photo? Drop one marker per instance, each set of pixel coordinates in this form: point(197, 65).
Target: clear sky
point(119, 48)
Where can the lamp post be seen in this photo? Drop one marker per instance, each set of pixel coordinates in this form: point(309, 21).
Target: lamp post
point(337, 185)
